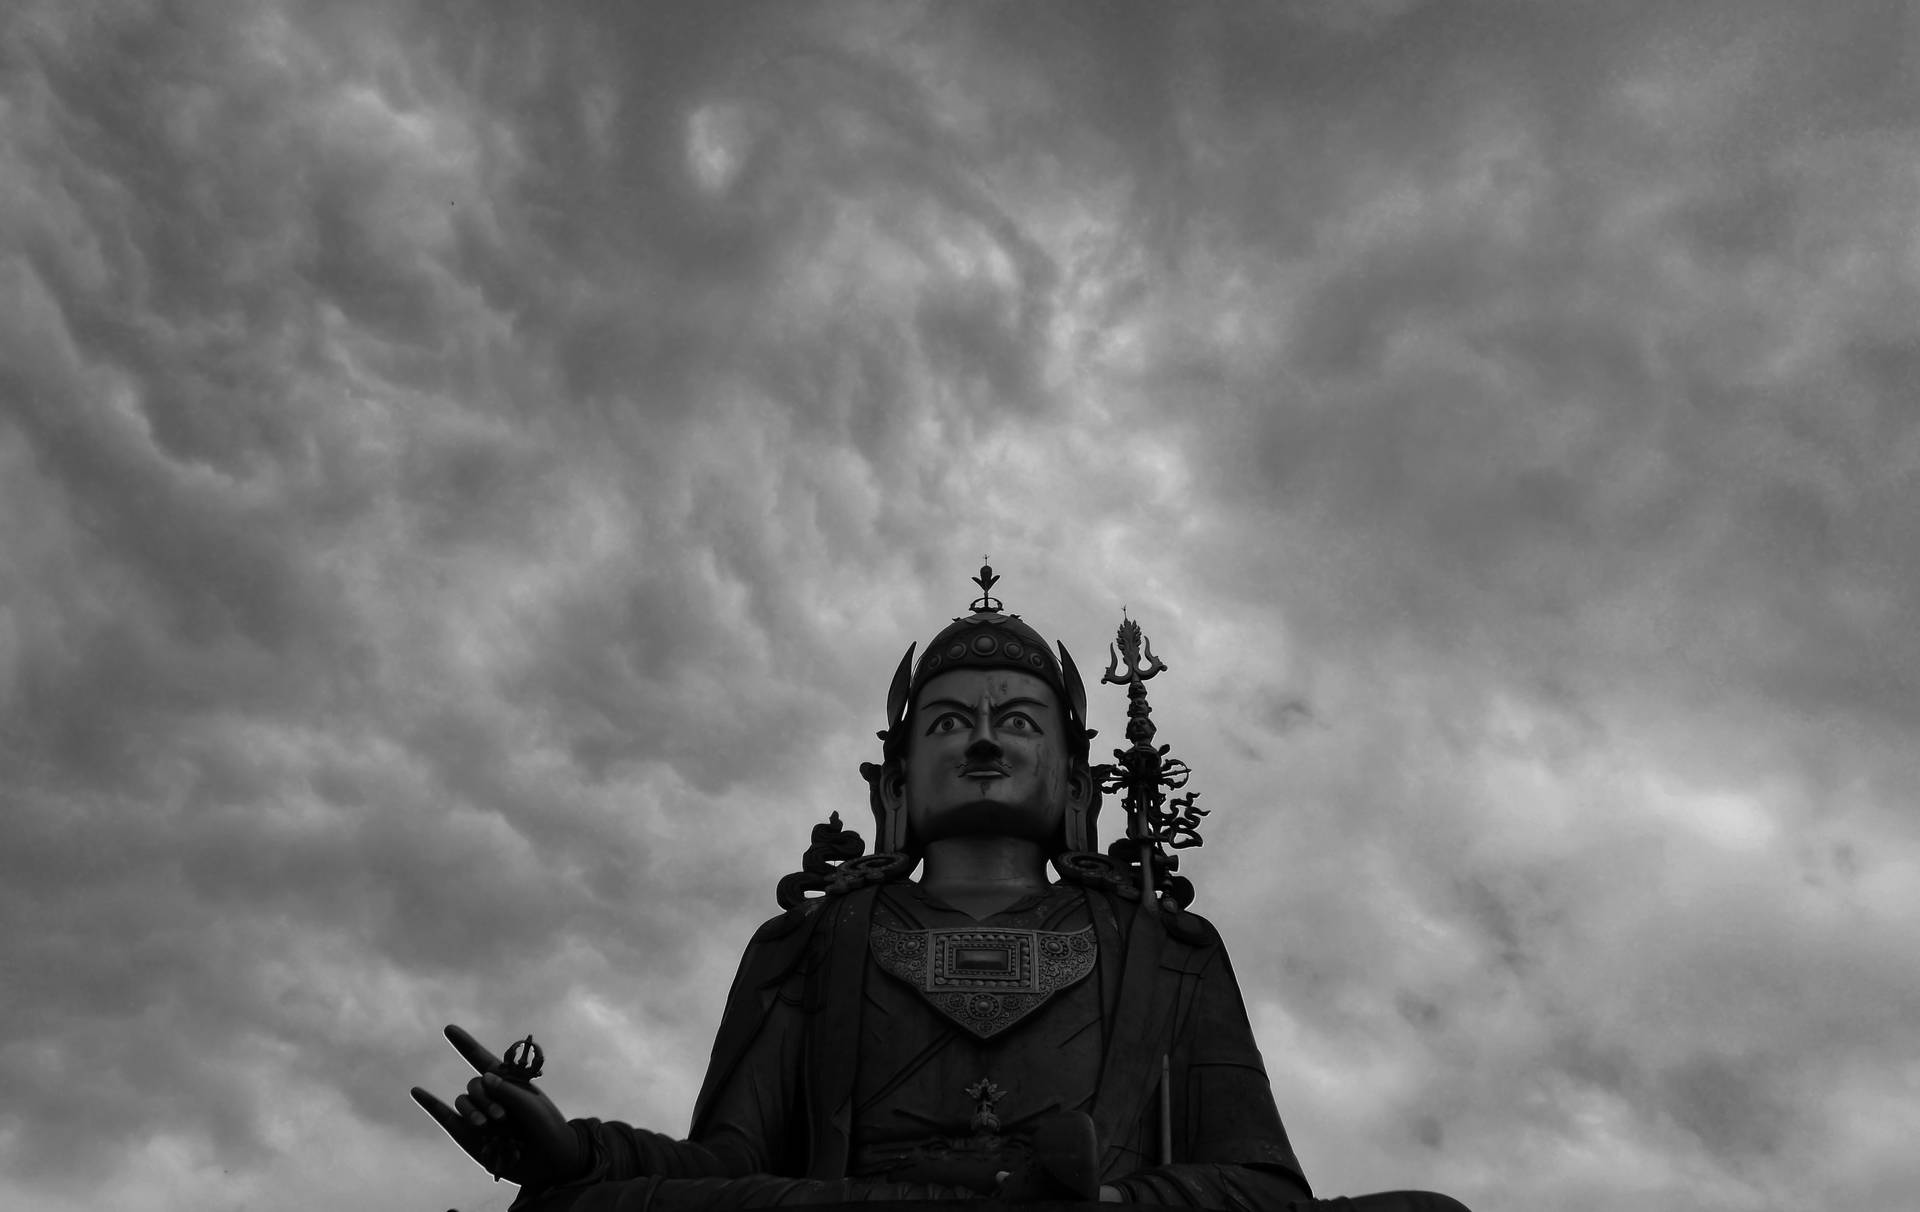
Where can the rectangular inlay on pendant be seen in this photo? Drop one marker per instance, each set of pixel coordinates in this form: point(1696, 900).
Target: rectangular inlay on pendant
point(987, 961)
point(981, 959)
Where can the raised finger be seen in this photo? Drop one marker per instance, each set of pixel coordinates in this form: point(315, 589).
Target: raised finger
point(471, 1051)
point(450, 1121)
point(523, 1101)
point(480, 1093)
point(474, 1115)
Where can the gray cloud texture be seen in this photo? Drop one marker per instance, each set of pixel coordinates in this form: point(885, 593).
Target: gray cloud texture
point(466, 475)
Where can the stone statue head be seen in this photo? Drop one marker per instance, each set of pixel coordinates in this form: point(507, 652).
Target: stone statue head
point(987, 734)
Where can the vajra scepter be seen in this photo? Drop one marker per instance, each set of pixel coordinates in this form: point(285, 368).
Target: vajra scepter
point(499, 1152)
point(1144, 773)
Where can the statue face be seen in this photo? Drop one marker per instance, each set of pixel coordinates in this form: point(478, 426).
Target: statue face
point(988, 756)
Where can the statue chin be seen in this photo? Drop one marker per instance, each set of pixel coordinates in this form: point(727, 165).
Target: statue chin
point(987, 819)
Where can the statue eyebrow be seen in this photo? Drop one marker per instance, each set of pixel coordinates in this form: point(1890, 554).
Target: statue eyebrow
point(998, 708)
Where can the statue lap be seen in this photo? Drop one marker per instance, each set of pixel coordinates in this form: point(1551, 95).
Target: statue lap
point(647, 1195)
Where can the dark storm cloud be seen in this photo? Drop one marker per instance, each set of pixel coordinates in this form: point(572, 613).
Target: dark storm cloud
point(289, 292)
point(1562, 386)
point(467, 473)
point(1545, 373)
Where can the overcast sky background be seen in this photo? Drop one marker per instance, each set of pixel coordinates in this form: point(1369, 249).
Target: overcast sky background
point(467, 473)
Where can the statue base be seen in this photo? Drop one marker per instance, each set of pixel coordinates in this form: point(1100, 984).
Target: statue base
point(1384, 1201)
point(982, 1205)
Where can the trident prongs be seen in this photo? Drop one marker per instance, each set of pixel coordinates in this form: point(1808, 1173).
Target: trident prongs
point(1131, 642)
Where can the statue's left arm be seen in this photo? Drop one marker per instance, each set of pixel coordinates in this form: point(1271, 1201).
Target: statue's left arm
point(749, 1129)
point(1230, 1149)
point(759, 1033)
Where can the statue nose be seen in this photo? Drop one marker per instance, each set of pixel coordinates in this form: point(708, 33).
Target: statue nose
point(982, 747)
point(982, 744)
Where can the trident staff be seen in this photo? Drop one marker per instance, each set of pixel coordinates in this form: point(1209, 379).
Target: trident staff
point(1144, 773)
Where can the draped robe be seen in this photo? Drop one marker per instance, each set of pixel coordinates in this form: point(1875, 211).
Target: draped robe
point(833, 1080)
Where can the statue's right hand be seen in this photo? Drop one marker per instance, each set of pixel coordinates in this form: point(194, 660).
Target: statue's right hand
point(509, 1127)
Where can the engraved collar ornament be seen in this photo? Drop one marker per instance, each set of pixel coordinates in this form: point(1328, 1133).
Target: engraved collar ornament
point(983, 978)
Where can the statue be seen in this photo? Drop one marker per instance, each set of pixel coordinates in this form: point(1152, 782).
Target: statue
point(982, 1032)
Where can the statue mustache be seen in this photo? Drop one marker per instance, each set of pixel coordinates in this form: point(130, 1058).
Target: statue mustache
point(967, 767)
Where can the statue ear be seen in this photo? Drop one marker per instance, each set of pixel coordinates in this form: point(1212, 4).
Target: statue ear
point(892, 788)
point(1080, 783)
point(1081, 805)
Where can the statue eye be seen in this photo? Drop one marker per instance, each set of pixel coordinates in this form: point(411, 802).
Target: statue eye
point(949, 722)
point(1016, 721)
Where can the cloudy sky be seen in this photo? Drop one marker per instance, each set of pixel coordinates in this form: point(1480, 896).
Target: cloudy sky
point(467, 472)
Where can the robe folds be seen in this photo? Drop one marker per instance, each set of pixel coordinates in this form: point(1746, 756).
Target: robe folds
point(786, 1114)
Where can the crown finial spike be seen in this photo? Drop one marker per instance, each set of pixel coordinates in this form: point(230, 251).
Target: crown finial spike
point(986, 603)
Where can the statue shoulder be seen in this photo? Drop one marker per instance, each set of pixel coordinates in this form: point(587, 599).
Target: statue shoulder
point(1119, 899)
point(1190, 928)
point(803, 914)
point(846, 899)
point(836, 863)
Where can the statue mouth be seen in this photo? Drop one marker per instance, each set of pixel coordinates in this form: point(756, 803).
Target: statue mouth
point(984, 772)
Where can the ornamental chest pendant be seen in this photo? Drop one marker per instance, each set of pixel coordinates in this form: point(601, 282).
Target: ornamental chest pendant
point(983, 979)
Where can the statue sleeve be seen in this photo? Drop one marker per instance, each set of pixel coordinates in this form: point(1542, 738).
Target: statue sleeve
point(748, 1105)
point(1230, 1147)
point(746, 1108)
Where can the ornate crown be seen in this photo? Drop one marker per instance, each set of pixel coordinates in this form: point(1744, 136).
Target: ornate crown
point(988, 638)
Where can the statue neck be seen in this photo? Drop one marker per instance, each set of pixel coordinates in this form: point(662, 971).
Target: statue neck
point(980, 876)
